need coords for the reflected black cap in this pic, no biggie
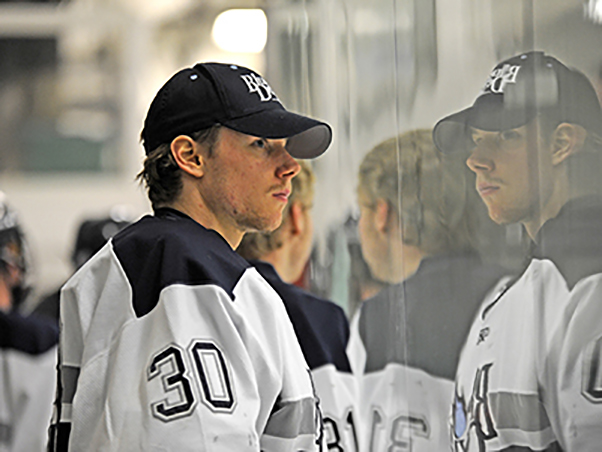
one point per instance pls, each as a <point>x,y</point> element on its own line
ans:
<point>236,97</point>
<point>516,91</point>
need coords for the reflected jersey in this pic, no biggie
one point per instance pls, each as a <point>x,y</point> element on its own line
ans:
<point>322,329</point>
<point>405,346</point>
<point>530,375</point>
<point>171,341</point>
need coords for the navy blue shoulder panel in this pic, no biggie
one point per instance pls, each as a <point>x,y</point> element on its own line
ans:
<point>423,322</point>
<point>573,239</point>
<point>171,248</point>
<point>29,335</point>
<point>320,325</point>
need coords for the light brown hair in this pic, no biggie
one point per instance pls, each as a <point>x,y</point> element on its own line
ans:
<point>161,174</point>
<point>429,191</point>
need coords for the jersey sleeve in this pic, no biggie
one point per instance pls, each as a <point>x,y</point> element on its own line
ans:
<point>294,422</point>
<point>97,280</point>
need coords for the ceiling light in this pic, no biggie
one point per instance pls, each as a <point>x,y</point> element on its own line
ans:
<point>241,30</point>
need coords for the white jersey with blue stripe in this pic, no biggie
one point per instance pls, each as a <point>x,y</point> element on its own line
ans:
<point>171,341</point>
<point>530,374</point>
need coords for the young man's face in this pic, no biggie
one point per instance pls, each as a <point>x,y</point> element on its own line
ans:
<point>514,173</point>
<point>247,181</point>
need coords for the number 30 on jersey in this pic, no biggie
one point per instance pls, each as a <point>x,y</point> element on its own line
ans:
<point>181,372</point>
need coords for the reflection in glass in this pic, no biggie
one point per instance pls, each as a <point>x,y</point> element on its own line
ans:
<point>418,224</point>
<point>530,371</point>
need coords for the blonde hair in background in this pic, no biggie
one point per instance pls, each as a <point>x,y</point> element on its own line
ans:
<point>254,245</point>
<point>429,192</point>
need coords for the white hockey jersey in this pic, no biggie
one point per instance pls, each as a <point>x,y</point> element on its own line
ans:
<point>322,329</point>
<point>530,374</point>
<point>28,354</point>
<point>171,341</point>
<point>404,349</point>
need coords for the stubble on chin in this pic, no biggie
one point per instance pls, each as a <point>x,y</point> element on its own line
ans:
<point>257,223</point>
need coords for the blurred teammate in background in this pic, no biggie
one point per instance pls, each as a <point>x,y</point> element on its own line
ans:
<point>321,326</point>
<point>530,374</point>
<point>27,349</point>
<point>92,234</point>
<point>170,340</point>
<point>418,224</point>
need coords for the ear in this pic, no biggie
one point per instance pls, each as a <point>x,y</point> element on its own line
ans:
<point>296,215</point>
<point>567,140</point>
<point>382,214</point>
<point>188,156</point>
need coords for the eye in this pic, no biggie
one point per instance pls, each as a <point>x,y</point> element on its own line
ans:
<point>260,143</point>
<point>475,138</point>
<point>508,135</point>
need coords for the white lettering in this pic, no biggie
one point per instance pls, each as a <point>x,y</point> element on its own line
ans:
<point>499,78</point>
<point>257,84</point>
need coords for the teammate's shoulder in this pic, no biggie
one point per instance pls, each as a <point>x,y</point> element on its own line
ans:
<point>27,334</point>
<point>297,298</point>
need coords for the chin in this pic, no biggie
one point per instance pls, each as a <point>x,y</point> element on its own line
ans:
<point>503,217</point>
<point>264,224</point>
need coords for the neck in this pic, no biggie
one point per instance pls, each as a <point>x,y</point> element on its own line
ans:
<point>5,294</point>
<point>411,258</point>
<point>192,204</point>
<point>404,261</point>
<point>549,207</point>
<point>286,267</point>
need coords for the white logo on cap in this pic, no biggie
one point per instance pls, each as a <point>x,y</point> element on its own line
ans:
<point>257,84</point>
<point>500,77</point>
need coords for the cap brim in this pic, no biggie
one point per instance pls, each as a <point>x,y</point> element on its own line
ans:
<point>307,137</point>
<point>452,133</point>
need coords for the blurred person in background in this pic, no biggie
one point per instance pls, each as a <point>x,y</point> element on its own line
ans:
<point>321,326</point>
<point>418,224</point>
<point>529,375</point>
<point>169,339</point>
<point>92,235</point>
<point>28,348</point>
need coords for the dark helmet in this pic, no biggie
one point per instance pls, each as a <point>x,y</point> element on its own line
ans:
<point>13,249</point>
<point>93,233</point>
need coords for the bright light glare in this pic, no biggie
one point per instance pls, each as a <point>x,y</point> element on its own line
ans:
<point>593,10</point>
<point>241,30</point>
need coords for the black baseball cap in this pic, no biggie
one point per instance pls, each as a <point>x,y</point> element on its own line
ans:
<point>517,90</point>
<point>236,97</point>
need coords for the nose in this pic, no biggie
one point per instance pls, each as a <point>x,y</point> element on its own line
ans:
<point>479,160</point>
<point>288,167</point>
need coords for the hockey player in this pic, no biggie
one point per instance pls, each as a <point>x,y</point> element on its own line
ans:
<point>27,349</point>
<point>91,236</point>
<point>529,375</point>
<point>321,325</point>
<point>417,225</point>
<point>170,340</point>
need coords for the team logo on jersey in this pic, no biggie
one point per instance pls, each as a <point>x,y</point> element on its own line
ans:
<point>472,421</point>
<point>500,77</point>
<point>258,85</point>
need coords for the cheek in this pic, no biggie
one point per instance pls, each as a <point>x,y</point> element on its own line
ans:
<point>361,228</point>
<point>365,238</point>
